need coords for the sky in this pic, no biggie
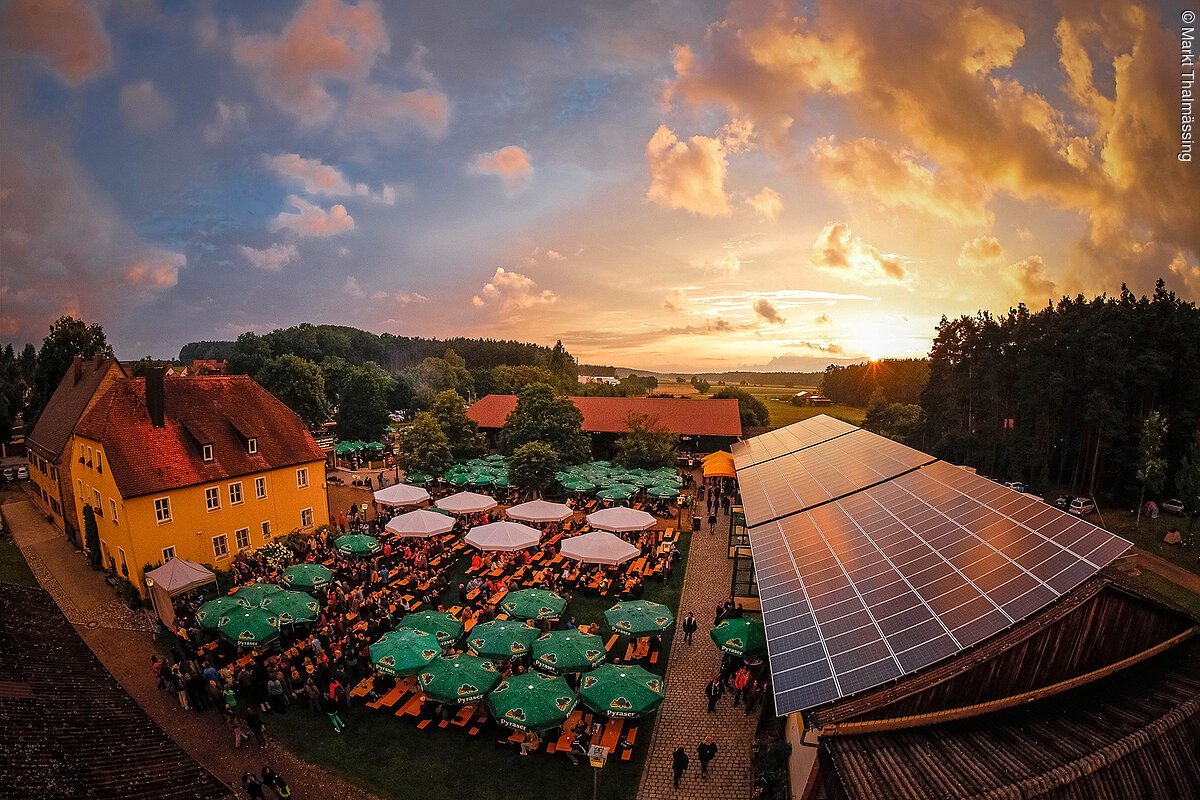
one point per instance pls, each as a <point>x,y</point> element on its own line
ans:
<point>678,185</point>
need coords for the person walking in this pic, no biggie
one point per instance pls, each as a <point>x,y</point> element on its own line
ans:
<point>689,627</point>
<point>679,764</point>
<point>741,680</point>
<point>253,786</point>
<point>707,751</point>
<point>330,706</point>
<point>712,522</point>
<point>713,692</point>
<point>275,782</point>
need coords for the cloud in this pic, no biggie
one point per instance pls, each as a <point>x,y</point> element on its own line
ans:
<point>144,106</point>
<point>674,302</point>
<point>388,112</point>
<point>1024,234</point>
<point>893,178</point>
<point>687,175</point>
<point>554,255</point>
<point>352,288</point>
<point>1029,280</point>
<point>308,219</point>
<point>767,311</point>
<point>512,291</point>
<point>838,251</point>
<point>728,263</point>
<point>400,298</point>
<point>315,177</point>
<point>823,319</point>
<point>227,116</point>
<point>67,35</point>
<point>768,203</point>
<point>207,29</point>
<point>273,258</point>
<point>510,164</point>
<point>160,272</point>
<point>980,252</point>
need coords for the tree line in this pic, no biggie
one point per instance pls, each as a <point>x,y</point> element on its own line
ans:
<point>896,380</point>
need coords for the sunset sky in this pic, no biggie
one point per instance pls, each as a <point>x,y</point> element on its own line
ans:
<point>674,185</point>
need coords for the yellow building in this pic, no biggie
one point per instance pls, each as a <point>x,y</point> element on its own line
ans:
<point>201,468</point>
<point>50,444</point>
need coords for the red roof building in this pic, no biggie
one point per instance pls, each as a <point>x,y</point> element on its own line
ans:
<point>715,418</point>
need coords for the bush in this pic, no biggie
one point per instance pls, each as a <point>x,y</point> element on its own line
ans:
<point>129,593</point>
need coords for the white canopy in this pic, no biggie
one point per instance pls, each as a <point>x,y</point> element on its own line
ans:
<point>503,536</point>
<point>599,547</point>
<point>180,575</point>
<point>420,524</point>
<point>466,503</point>
<point>401,494</point>
<point>541,511</point>
<point>621,518</point>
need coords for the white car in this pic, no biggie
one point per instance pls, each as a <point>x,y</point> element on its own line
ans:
<point>1081,506</point>
<point>1016,486</point>
<point>22,472</point>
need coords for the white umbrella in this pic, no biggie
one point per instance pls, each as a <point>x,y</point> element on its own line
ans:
<point>599,547</point>
<point>541,511</point>
<point>503,536</point>
<point>466,503</point>
<point>420,524</point>
<point>401,494</point>
<point>621,518</point>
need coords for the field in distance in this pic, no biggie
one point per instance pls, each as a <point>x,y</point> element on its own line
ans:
<point>778,400</point>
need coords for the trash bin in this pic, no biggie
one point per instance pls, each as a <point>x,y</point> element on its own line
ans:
<point>695,524</point>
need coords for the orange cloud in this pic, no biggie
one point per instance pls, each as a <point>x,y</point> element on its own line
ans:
<point>1029,281</point>
<point>67,34</point>
<point>308,219</point>
<point>688,175</point>
<point>765,309</point>
<point>386,111</point>
<point>315,176</point>
<point>980,252</point>
<point>838,251</point>
<point>160,272</point>
<point>768,203</point>
<point>511,164</point>
<point>512,291</point>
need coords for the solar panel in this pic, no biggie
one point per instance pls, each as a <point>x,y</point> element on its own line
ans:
<point>861,588</point>
<point>788,440</point>
<point>821,472</point>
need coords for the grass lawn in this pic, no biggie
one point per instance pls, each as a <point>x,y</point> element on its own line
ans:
<point>1173,591</point>
<point>13,568</point>
<point>391,757</point>
<point>1149,535</point>
<point>778,400</point>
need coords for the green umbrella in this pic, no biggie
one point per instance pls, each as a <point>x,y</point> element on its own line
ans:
<point>307,577</point>
<point>500,481</point>
<point>253,594</point>
<point>249,627</point>
<point>481,479</point>
<point>533,604</point>
<point>445,626</point>
<point>501,638</point>
<point>561,652</point>
<point>621,690</point>
<point>639,618</point>
<point>476,462</point>
<point>617,491</point>
<point>417,478</point>
<point>740,637</point>
<point>532,702</point>
<point>459,478</point>
<point>462,679</point>
<point>577,485</point>
<point>662,491</point>
<point>404,651</point>
<point>357,544</point>
<point>292,607</point>
<point>209,615</point>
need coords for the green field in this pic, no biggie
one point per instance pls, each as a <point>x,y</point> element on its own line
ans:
<point>778,400</point>
<point>1172,591</point>
<point>13,568</point>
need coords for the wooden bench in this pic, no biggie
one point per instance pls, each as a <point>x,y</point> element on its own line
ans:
<point>413,707</point>
<point>364,687</point>
<point>630,739</point>
<point>611,735</point>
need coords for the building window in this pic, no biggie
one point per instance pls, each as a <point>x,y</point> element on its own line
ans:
<point>212,498</point>
<point>124,563</point>
<point>266,529</point>
<point>89,457</point>
<point>235,493</point>
<point>99,462</point>
<point>112,506</point>
<point>306,518</point>
<point>220,546</point>
<point>99,504</point>
<point>207,451</point>
<point>252,445</point>
<point>260,488</point>
<point>168,553</point>
<point>162,509</point>
<point>302,478</point>
<point>242,537</point>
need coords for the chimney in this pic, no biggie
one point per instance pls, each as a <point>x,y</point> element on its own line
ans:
<point>77,367</point>
<point>155,399</point>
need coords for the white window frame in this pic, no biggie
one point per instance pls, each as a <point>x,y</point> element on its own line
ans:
<point>302,478</point>
<point>311,519</point>
<point>212,498</point>
<point>252,445</point>
<point>99,462</point>
<point>99,503</point>
<point>158,511</point>
<point>112,506</point>
<point>266,529</point>
<point>206,452</point>
<point>241,496</point>
<point>237,538</point>
<point>124,562</point>
<point>260,487</point>
<point>168,553</point>
<point>223,550</point>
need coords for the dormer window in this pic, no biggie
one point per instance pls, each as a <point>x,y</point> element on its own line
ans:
<point>207,452</point>
<point>252,445</point>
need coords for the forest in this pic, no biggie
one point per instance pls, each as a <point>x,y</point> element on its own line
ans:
<point>894,380</point>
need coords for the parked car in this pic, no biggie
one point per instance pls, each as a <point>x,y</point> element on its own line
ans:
<point>1016,486</point>
<point>1062,501</point>
<point>1173,506</point>
<point>22,473</point>
<point>10,473</point>
<point>1081,506</point>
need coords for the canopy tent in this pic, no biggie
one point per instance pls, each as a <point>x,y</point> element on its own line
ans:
<point>401,494</point>
<point>541,511</point>
<point>420,524</point>
<point>719,454</point>
<point>175,577</point>
<point>719,468</point>
<point>621,518</point>
<point>467,503</point>
<point>599,547</point>
<point>504,537</point>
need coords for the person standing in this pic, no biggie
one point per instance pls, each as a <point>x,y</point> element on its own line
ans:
<point>741,680</point>
<point>689,627</point>
<point>707,751</point>
<point>253,786</point>
<point>713,692</point>
<point>277,784</point>
<point>330,706</point>
<point>712,522</point>
<point>679,764</point>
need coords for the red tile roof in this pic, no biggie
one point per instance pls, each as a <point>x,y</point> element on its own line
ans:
<point>67,404</point>
<point>608,414</point>
<point>145,459</point>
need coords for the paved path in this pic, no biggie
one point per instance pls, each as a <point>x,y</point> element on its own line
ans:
<point>1169,570</point>
<point>683,719</point>
<point>123,640</point>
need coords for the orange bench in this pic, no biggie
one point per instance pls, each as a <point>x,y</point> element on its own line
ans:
<point>630,739</point>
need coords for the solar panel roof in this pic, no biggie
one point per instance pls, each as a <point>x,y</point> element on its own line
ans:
<point>879,582</point>
<point>788,440</point>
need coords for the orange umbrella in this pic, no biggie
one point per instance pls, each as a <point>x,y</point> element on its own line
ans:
<point>719,468</point>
